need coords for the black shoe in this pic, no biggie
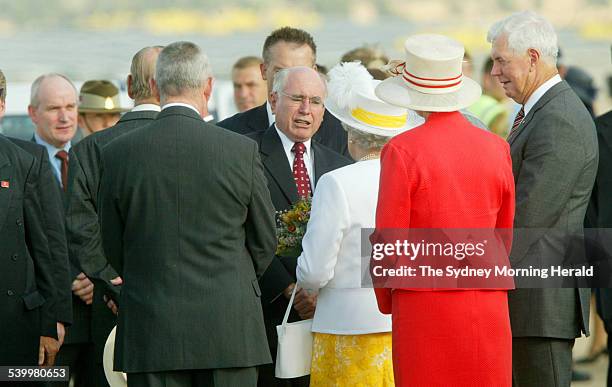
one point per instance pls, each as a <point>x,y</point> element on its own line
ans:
<point>579,376</point>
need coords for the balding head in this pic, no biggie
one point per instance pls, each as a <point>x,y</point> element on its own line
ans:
<point>141,73</point>
<point>297,101</point>
<point>53,108</point>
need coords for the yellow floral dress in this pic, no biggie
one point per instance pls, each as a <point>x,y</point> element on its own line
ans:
<point>352,360</point>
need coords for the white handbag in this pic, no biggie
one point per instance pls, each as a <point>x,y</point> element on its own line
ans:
<point>294,351</point>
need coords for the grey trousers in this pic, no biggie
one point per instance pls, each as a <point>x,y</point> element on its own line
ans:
<point>220,377</point>
<point>541,362</point>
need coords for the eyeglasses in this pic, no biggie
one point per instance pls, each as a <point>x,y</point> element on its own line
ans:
<point>299,99</point>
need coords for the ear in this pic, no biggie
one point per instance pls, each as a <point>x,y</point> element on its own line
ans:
<point>33,114</point>
<point>263,68</point>
<point>208,88</point>
<point>130,81</point>
<point>534,56</point>
<point>273,100</point>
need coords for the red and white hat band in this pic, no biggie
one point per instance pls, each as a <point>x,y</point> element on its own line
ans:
<point>430,85</point>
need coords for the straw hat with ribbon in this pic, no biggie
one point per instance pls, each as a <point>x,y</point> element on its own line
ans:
<point>351,99</point>
<point>431,77</point>
<point>99,96</point>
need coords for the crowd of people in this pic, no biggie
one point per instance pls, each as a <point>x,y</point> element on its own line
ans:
<point>162,222</point>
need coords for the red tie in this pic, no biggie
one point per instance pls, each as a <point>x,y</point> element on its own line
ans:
<point>517,121</point>
<point>63,156</point>
<point>300,174</point>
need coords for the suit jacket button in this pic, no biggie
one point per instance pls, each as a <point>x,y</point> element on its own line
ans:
<point>15,256</point>
<point>10,293</point>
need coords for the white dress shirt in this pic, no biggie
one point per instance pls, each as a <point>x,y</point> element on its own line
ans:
<point>208,118</point>
<point>343,204</point>
<point>308,155</point>
<point>271,116</point>
<point>146,107</point>
<point>56,164</point>
<point>539,92</point>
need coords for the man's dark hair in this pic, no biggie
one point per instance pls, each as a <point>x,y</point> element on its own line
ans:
<point>289,35</point>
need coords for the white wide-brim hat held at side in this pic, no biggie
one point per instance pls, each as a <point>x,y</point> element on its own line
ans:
<point>114,378</point>
<point>351,99</point>
<point>431,78</point>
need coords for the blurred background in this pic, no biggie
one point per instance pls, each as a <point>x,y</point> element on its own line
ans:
<point>87,39</point>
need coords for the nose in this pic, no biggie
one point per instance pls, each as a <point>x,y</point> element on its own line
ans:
<point>243,92</point>
<point>305,106</point>
<point>495,70</point>
<point>62,115</point>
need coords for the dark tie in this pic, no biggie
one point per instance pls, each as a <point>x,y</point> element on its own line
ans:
<point>300,174</point>
<point>63,156</point>
<point>517,121</point>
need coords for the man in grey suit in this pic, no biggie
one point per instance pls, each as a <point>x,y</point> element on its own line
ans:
<point>82,222</point>
<point>554,155</point>
<point>186,214</point>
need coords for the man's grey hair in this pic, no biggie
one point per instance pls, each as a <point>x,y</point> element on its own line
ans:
<point>366,141</point>
<point>35,89</point>
<point>143,70</point>
<point>526,30</point>
<point>280,79</point>
<point>182,67</point>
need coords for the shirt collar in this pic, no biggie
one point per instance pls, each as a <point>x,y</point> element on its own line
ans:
<point>181,104</point>
<point>539,92</point>
<point>271,116</point>
<point>146,107</point>
<point>288,143</point>
<point>52,150</point>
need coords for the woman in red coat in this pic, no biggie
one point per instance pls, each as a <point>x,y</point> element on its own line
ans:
<point>445,174</point>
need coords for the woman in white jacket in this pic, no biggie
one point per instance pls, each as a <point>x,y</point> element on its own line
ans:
<point>352,342</point>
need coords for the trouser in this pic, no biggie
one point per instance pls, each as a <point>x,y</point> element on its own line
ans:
<point>541,362</point>
<point>219,377</point>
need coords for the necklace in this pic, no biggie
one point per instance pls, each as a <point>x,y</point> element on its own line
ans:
<point>370,156</point>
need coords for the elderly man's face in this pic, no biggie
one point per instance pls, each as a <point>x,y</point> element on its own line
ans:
<point>250,89</point>
<point>513,70</point>
<point>283,55</point>
<point>94,122</point>
<point>299,107</point>
<point>55,116</point>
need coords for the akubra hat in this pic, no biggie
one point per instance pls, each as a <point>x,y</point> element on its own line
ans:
<point>351,99</point>
<point>99,96</point>
<point>114,378</point>
<point>431,78</point>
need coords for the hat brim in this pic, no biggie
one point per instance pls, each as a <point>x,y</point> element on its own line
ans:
<point>394,91</point>
<point>102,111</point>
<point>344,115</point>
<point>114,378</point>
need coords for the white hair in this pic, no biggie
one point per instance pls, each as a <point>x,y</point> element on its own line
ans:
<point>525,30</point>
<point>280,79</point>
<point>182,67</point>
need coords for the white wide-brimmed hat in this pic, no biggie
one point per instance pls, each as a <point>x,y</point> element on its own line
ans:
<point>114,378</point>
<point>431,78</point>
<point>351,99</point>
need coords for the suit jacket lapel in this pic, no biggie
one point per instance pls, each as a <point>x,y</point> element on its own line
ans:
<point>5,193</point>
<point>322,164</point>
<point>550,94</point>
<point>275,162</point>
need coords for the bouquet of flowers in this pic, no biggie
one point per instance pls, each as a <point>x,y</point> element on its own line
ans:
<point>291,227</point>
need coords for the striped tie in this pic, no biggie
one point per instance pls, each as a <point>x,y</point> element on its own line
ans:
<point>517,122</point>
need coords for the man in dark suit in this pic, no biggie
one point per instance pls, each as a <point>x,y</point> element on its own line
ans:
<point>554,160</point>
<point>186,214</point>
<point>38,296</point>
<point>287,47</point>
<point>599,215</point>
<point>84,240</point>
<point>53,110</point>
<point>297,101</point>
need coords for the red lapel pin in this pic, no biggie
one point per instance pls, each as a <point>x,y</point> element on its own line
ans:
<point>4,184</point>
